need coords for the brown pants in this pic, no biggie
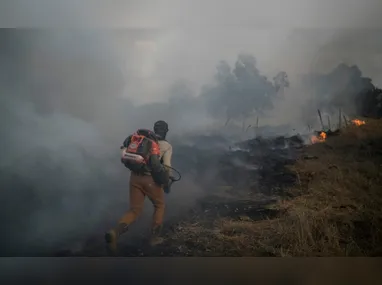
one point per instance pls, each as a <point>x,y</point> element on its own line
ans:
<point>140,187</point>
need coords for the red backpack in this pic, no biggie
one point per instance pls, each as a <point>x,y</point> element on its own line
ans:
<point>137,150</point>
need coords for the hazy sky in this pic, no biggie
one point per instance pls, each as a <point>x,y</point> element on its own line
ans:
<point>177,39</point>
<point>192,54</point>
<point>186,13</point>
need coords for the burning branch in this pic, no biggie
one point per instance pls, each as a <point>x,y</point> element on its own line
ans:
<point>319,138</point>
<point>358,122</point>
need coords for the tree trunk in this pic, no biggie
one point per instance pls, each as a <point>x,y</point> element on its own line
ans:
<point>227,121</point>
<point>243,124</point>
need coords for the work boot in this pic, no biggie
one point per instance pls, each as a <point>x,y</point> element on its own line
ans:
<point>156,237</point>
<point>111,237</point>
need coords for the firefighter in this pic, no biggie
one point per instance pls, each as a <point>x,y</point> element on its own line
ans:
<point>151,179</point>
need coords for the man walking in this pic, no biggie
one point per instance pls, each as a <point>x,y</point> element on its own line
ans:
<point>143,153</point>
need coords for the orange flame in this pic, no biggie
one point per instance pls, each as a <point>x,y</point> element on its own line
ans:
<point>320,138</point>
<point>358,122</point>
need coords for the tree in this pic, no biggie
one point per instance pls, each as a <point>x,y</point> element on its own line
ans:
<point>344,87</point>
<point>220,97</point>
<point>240,92</point>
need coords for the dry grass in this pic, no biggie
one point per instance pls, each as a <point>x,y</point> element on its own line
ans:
<point>336,209</point>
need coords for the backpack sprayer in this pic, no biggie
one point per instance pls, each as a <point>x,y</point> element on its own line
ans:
<point>138,147</point>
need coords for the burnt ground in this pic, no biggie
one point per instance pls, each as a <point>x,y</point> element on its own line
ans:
<point>277,197</point>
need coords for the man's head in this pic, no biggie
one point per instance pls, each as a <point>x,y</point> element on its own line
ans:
<point>161,129</point>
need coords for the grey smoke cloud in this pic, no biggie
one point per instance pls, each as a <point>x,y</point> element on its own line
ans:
<point>70,96</point>
<point>191,29</point>
<point>186,13</point>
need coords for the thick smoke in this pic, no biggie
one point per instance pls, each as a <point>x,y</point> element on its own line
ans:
<point>68,99</point>
<point>64,118</point>
<point>58,170</point>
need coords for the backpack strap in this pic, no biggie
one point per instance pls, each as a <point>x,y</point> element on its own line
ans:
<point>148,134</point>
<point>155,150</point>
